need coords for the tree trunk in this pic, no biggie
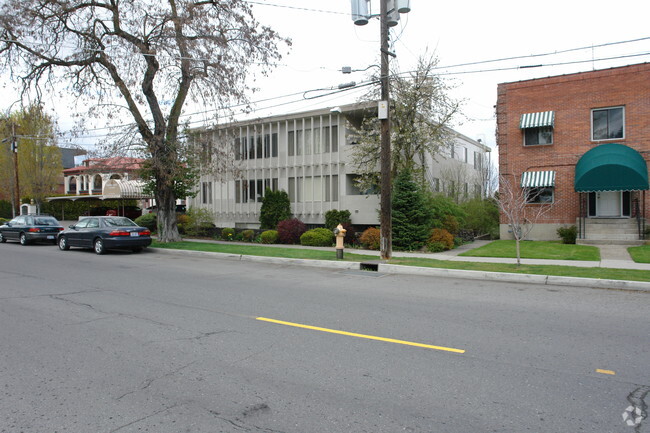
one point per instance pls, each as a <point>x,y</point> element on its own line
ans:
<point>518,253</point>
<point>167,228</point>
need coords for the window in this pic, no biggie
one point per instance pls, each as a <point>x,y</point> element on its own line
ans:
<point>537,136</point>
<point>330,139</point>
<point>308,137</point>
<point>540,195</point>
<point>465,152</point>
<point>259,147</point>
<point>478,161</point>
<point>291,142</point>
<point>237,191</point>
<point>608,123</point>
<point>206,193</point>
<point>251,147</point>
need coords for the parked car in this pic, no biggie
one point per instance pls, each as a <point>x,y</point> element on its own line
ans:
<point>31,228</point>
<point>103,233</point>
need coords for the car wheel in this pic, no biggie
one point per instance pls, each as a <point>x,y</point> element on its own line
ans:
<point>99,246</point>
<point>2,238</point>
<point>63,244</point>
<point>23,239</point>
<point>136,249</point>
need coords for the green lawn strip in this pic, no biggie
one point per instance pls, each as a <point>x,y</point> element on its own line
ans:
<point>297,253</point>
<point>264,251</point>
<point>553,250</point>
<point>640,254</point>
<point>556,270</point>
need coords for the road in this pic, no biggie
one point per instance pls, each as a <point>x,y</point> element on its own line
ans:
<point>157,342</point>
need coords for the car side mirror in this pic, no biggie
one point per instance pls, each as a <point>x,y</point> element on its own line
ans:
<point>8,224</point>
<point>72,226</point>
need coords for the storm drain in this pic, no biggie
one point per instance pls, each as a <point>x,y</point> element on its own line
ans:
<point>368,266</point>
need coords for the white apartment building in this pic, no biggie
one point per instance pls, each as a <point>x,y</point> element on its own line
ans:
<point>307,155</point>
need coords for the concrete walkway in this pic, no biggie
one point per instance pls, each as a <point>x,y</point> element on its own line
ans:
<point>612,256</point>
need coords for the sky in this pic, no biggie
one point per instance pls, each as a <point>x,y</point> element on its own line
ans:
<point>469,33</point>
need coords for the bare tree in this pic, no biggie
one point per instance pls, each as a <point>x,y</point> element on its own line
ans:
<point>514,204</point>
<point>146,54</point>
<point>422,111</point>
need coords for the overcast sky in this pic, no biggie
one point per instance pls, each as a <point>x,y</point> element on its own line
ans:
<point>459,32</point>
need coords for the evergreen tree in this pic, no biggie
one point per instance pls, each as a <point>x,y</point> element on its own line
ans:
<point>275,208</point>
<point>411,215</point>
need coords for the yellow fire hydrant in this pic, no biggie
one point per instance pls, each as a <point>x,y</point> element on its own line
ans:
<point>339,232</point>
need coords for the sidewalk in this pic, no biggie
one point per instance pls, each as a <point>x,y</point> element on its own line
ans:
<point>611,256</point>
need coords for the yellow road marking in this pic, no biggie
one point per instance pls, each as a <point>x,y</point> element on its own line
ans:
<point>613,373</point>
<point>352,334</point>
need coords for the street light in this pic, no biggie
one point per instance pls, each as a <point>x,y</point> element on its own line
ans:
<point>389,11</point>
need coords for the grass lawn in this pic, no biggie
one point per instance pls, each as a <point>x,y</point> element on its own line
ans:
<point>560,271</point>
<point>554,250</point>
<point>640,254</point>
<point>298,253</point>
<point>262,250</point>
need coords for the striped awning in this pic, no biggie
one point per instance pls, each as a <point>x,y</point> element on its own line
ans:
<point>537,120</point>
<point>125,189</point>
<point>538,179</point>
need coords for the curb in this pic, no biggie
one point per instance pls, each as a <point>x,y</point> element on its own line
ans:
<point>548,280</point>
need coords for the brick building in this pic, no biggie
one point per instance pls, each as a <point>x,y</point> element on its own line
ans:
<point>581,142</point>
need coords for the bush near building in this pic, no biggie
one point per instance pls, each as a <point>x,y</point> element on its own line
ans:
<point>289,231</point>
<point>370,238</point>
<point>276,207</point>
<point>320,237</point>
<point>442,237</point>
<point>568,234</point>
<point>411,216</point>
<point>269,237</point>
<point>149,221</point>
<point>335,217</point>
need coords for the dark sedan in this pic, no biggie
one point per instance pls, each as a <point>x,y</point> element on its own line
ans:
<point>31,228</point>
<point>102,233</point>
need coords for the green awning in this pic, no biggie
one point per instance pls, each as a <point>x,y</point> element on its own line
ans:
<point>537,120</point>
<point>611,167</point>
<point>538,179</point>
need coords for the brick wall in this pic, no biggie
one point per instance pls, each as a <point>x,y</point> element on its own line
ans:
<point>571,97</point>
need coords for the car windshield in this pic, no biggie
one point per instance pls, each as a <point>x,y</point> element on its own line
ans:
<point>45,221</point>
<point>119,222</point>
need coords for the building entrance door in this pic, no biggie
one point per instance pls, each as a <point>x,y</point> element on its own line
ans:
<point>608,204</point>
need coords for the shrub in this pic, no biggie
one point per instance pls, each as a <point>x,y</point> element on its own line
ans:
<point>200,223</point>
<point>350,234</point>
<point>436,247</point>
<point>482,216</point>
<point>441,206</point>
<point>248,235</point>
<point>411,215</point>
<point>275,208</point>
<point>269,237</point>
<point>442,236</point>
<point>370,238</point>
<point>289,231</point>
<point>182,221</point>
<point>335,217</point>
<point>320,237</point>
<point>450,223</point>
<point>568,234</point>
<point>227,234</point>
<point>5,209</point>
<point>4,220</point>
<point>149,220</point>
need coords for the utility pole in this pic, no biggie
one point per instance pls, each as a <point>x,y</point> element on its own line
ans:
<point>389,11</point>
<point>385,222</point>
<point>14,148</point>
